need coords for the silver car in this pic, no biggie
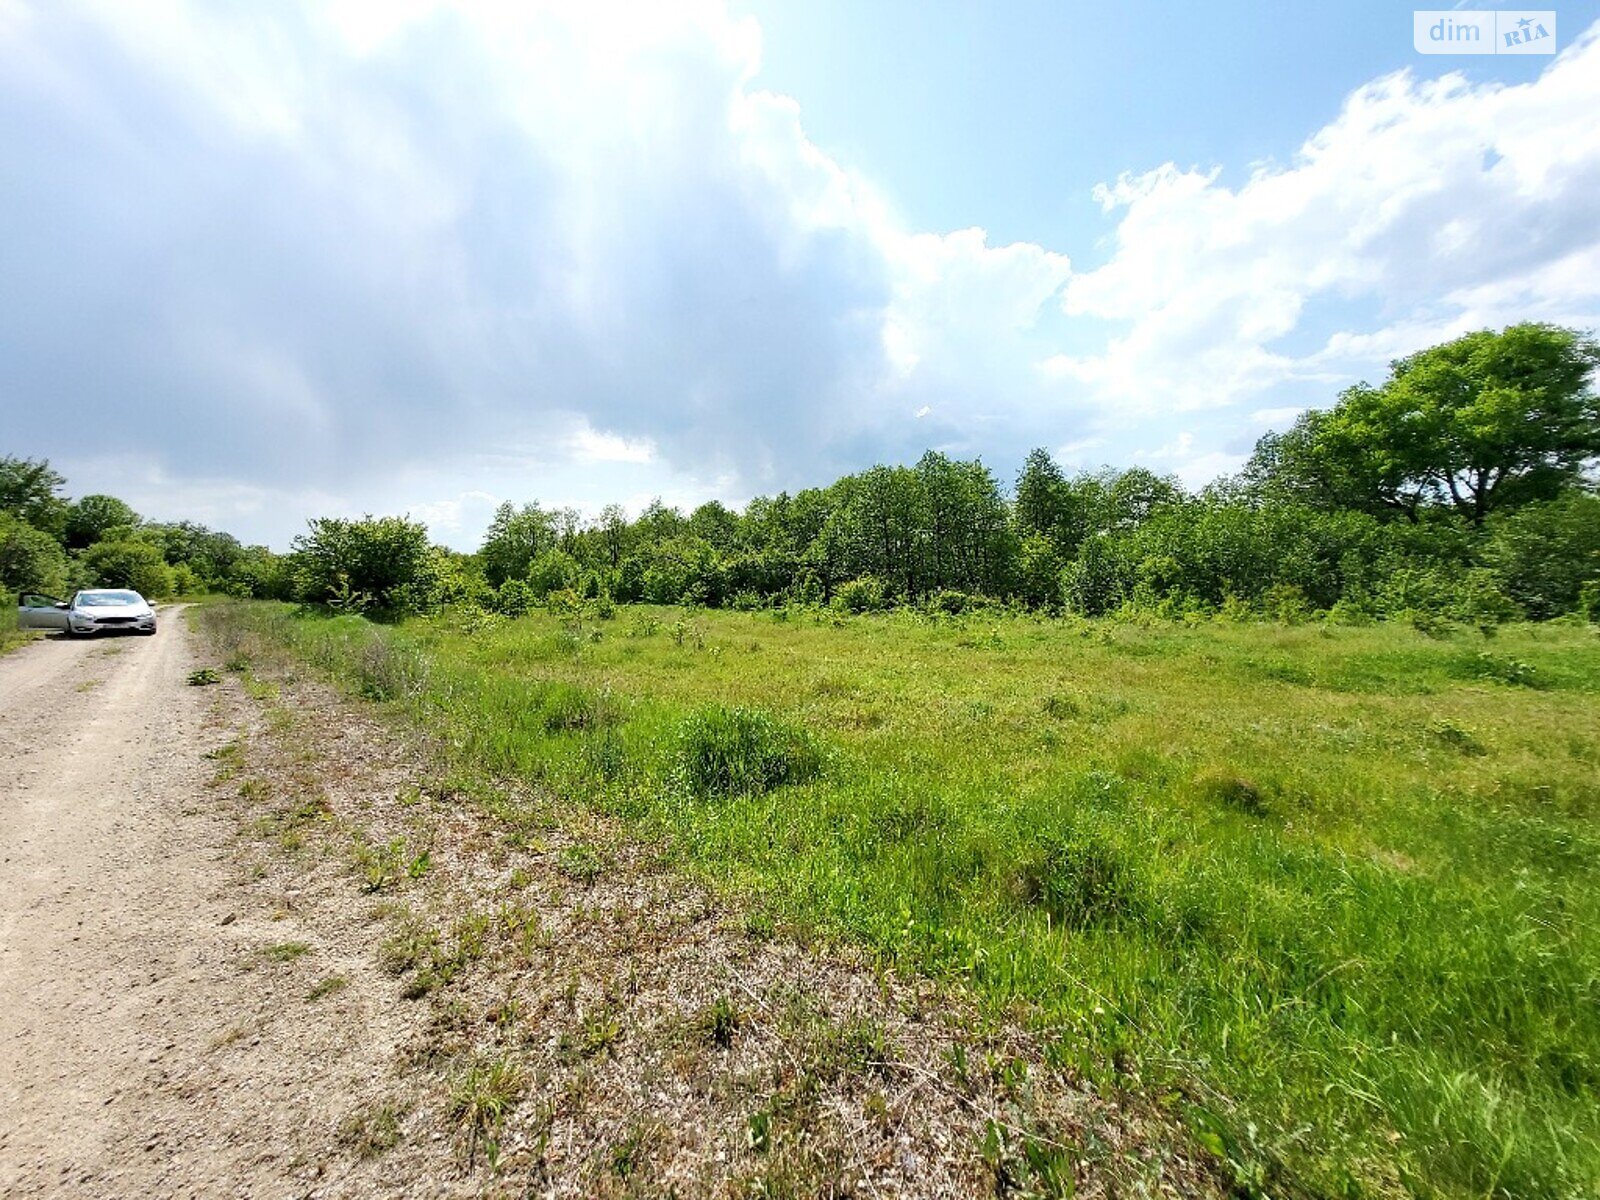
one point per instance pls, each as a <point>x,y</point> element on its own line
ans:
<point>93,611</point>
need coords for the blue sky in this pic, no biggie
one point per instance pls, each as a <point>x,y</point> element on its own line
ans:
<point>267,263</point>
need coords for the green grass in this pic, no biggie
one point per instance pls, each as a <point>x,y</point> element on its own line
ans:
<point>10,636</point>
<point>1328,893</point>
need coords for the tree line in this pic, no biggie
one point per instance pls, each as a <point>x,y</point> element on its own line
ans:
<point>1462,487</point>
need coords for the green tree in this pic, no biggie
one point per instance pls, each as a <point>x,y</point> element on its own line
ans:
<point>30,491</point>
<point>381,564</point>
<point>1485,422</point>
<point>91,518</point>
<point>515,538</point>
<point>129,563</point>
<point>552,571</point>
<point>30,559</point>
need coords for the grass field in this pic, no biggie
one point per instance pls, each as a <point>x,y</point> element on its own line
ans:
<point>1329,893</point>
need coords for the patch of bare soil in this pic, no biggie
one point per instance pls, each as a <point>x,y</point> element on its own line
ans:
<point>524,1001</point>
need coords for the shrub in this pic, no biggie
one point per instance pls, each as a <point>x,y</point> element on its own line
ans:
<point>1081,881</point>
<point>1286,603</point>
<point>514,598</point>
<point>552,571</point>
<point>1545,554</point>
<point>1479,602</point>
<point>381,563</point>
<point>952,602</point>
<point>129,564</point>
<point>735,752</point>
<point>30,559</point>
<point>861,595</point>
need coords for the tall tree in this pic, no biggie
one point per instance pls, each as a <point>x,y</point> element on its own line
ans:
<point>90,518</point>
<point>30,491</point>
<point>515,538</point>
<point>1481,423</point>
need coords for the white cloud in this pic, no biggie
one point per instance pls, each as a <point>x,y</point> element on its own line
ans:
<point>1439,205</point>
<point>588,445</point>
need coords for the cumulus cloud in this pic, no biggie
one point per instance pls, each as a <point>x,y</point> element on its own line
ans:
<point>1430,207</point>
<point>415,257</point>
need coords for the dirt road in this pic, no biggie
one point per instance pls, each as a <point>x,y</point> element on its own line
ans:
<point>143,1051</point>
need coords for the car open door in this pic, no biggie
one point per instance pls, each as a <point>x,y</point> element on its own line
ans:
<point>41,612</point>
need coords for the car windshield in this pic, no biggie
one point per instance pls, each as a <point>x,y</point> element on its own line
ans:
<point>108,599</point>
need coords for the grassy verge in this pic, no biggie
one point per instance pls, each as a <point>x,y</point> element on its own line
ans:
<point>10,636</point>
<point>1329,892</point>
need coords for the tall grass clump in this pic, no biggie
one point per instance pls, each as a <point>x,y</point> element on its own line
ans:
<point>741,752</point>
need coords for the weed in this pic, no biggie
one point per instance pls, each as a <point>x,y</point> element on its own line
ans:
<point>718,1022</point>
<point>204,677</point>
<point>730,752</point>
<point>580,861</point>
<point>373,1129</point>
<point>285,952</point>
<point>327,987</point>
<point>1231,791</point>
<point>1454,737</point>
<point>1081,882</point>
<point>381,867</point>
<point>481,1099</point>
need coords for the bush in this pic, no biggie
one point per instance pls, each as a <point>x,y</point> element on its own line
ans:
<point>737,752</point>
<point>1544,554</point>
<point>1479,601</point>
<point>552,571</point>
<point>30,559</point>
<point>861,595</point>
<point>384,564</point>
<point>952,602</point>
<point>514,598</point>
<point>129,564</point>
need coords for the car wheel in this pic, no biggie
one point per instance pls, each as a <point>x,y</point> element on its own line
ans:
<point>147,633</point>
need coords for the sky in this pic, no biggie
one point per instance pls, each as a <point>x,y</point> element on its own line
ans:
<point>261,263</point>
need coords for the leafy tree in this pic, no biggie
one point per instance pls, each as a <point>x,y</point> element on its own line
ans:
<point>30,492</point>
<point>382,564</point>
<point>612,527</point>
<point>714,524</point>
<point>1038,570</point>
<point>552,571</point>
<point>515,538</point>
<point>1041,496</point>
<point>30,559</point>
<point>129,563</point>
<point>91,518</point>
<point>261,574</point>
<point>210,554</point>
<point>1136,495</point>
<point>1481,423</point>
